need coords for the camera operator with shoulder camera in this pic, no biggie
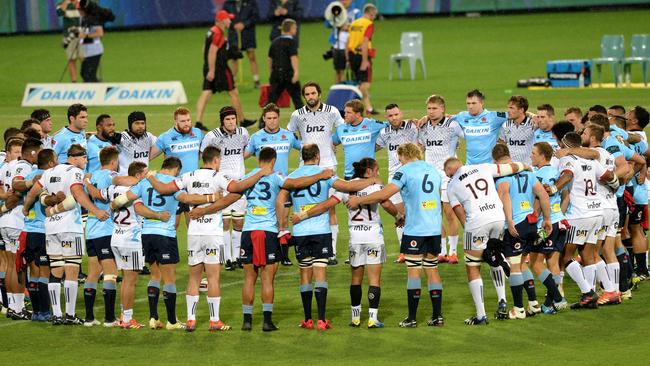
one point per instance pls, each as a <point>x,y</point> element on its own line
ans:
<point>67,10</point>
<point>339,12</point>
<point>93,18</point>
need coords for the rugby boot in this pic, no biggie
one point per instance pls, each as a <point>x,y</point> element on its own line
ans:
<point>217,326</point>
<point>190,326</point>
<point>517,313</point>
<point>477,321</point>
<point>408,323</point>
<point>307,324</point>
<point>323,325</point>
<point>155,324</point>
<point>374,324</point>
<point>436,321</point>
<point>502,310</point>
<point>269,327</point>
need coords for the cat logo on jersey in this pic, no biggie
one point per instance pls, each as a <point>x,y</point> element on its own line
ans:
<point>524,205</point>
<point>429,205</point>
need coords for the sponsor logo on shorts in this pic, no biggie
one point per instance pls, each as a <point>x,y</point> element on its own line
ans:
<point>166,256</point>
<point>414,243</point>
<point>373,253</point>
<point>517,246</point>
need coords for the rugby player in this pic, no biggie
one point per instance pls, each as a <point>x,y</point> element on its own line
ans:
<point>136,143</point>
<point>103,138</point>
<point>366,249</point>
<point>74,133</point>
<point>45,119</point>
<point>519,131</point>
<point>420,184</point>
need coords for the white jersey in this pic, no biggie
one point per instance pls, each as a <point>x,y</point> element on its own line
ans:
<point>317,128</point>
<point>14,169</point>
<point>60,179</point>
<point>127,228</point>
<point>440,141</point>
<point>232,146</point>
<point>390,139</point>
<point>47,142</point>
<point>606,195</point>
<point>204,181</point>
<point>473,187</point>
<point>364,223</point>
<point>133,149</point>
<point>3,156</point>
<point>583,196</point>
<point>519,137</point>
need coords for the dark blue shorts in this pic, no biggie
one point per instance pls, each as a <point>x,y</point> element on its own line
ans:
<point>160,249</point>
<point>513,246</point>
<point>272,247</point>
<point>100,248</point>
<point>420,244</point>
<point>313,246</point>
<point>35,249</point>
<point>554,243</point>
<point>248,40</point>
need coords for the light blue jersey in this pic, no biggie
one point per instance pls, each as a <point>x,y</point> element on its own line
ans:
<point>95,145</point>
<point>546,136</point>
<point>95,228</point>
<point>282,141</point>
<point>616,131</point>
<point>183,146</point>
<point>419,185</point>
<point>306,198</point>
<point>640,190</point>
<point>35,219</point>
<point>481,133</point>
<point>617,148</point>
<point>358,141</point>
<point>65,138</point>
<point>260,207</point>
<point>158,203</point>
<point>521,194</point>
<point>549,175</point>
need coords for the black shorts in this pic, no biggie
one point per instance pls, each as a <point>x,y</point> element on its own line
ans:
<point>100,248</point>
<point>35,249</point>
<point>160,249</point>
<point>636,217</point>
<point>622,212</point>
<point>182,207</point>
<point>554,243</point>
<point>247,39</point>
<point>313,246</point>
<point>272,247</point>
<point>420,244</point>
<point>355,66</point>
<point>512,246</point>
<point>223,81</point>
<point>338,58</point>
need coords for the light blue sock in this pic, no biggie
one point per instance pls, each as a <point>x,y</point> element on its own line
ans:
<point>170,288</point>
<point>247,309</point>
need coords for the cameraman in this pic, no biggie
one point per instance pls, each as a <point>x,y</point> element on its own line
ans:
<point>67,9</point>
<point>92,30</point>
<point>281,10</point>
<point>339,40</point>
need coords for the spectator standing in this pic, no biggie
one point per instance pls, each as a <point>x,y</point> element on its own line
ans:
<point>281,10</point>
<point>243,27</point>
<point>283,63</point>
<point>339,40</point>
<point>92,31</point>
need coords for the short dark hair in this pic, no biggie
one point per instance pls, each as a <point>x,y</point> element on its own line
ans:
<point>598,109</point>
<point>545,149</point>
<point>28,123</point>
<point>642,116</point>
<point>108,154</point>
<point>475,93</point>
<point>31,132</point>
<point>172,162</point>
<point>546,107</point>
<point>267,154</point>
<point>562,128</point>
<point>101,118</point>
<point>356,105</point>
<point>391,106</point>
<point>519,101</point>
<point>572,139</point>
<point>210,153</point>
<point>618,107</point>
<point>45,156</point>
<point>75,109</point>
<point>599,120</point>
<point>76,150</point>
<point>311,84</point>
<point>31,145</point>
<point>271,107</point>
<point>136,167</point>
<point>309,152</point>
<point>40,114</point>
<point>11,132</point>
<point>500,151</point>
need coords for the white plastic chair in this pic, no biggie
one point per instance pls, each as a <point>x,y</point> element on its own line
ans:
<point>411,49</point>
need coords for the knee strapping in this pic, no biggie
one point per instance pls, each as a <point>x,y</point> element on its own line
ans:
<point>56,262</point>
<point>430,262</point>
<point>320,262</point>
<point>472,261</point>
<point>413,261</point>
<point>306,262</point>
<point>515,260</point>
<point>73,261</point>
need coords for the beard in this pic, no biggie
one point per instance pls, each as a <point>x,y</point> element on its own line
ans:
<point>140,134</point>
<point>312,102</point>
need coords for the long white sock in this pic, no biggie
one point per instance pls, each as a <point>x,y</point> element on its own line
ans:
<point>476,288</point>
<point>372,313</point>
<point>236,243</point>
<point>335,234</point>
<point>575,272</point>
<point>19,302</point>
<point>127,315</point>
<point>55,297</point>
<point>453,244</point>
<point>356,312</point>
<point>399,231</point>
<point>443,246</point>
<point>499,281</point>
<point>603,277</point>
<point>590,275</point>
<point>227,246</point>
<point>614,270</point>
<point>70,289</point>
<point>12,301</point>
<point>192,302</point>
<point>213,306</point>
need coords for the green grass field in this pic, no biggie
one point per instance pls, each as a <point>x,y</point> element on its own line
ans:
<point>488,53</point>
